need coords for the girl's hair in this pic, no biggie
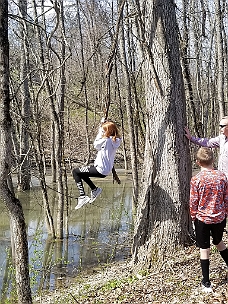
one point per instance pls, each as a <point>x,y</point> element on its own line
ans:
<point>205,156</point>
<point>110,129</point>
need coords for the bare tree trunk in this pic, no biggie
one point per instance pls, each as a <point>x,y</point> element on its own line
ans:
<point>163,219</point>
<point>53,158</point>
<point>39,158</point>
<point>45,62</point>
<point>130,115</point>
<point>60,126</point>
<point>38,149</point>
<point>56,128</point>
<point>225,57</point>
<point>24,168</point>
<point>13,205</point>
<point>220,56</point>
<point>122,118</point>
<point>186,70</point>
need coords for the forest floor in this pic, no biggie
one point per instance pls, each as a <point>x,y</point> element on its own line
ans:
<point>175,281</point>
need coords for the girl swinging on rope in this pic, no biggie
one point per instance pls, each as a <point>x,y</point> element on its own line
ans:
<point>106,142</point>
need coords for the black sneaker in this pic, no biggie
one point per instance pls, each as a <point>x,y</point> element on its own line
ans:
<point>206,286</point>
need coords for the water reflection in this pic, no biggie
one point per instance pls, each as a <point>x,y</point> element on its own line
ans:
<point>98,233</point>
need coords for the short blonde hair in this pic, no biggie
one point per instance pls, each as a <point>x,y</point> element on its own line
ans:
<point>205,156</point>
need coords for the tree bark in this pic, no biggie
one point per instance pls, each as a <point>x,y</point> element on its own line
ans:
<point>186,70</point>
<point>13,205</point>
<point>220,56</point>
<point>60,125</point>
<point>129,110</point>
<point>163,221</point>
<point>24,175</point>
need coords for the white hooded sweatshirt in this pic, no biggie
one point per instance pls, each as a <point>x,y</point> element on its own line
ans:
<point>106,152</point>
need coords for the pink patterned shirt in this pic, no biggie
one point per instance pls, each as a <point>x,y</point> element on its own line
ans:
<point>209,196</point>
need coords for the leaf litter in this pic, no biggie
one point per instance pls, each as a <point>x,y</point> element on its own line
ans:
<point>176,281</point>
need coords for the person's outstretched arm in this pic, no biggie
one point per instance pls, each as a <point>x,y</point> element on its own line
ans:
<point>203,142</point>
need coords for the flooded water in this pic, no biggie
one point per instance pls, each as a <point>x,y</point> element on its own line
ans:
<point>98,233</point>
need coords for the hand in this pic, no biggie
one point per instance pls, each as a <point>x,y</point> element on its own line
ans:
<point>103,120</point>
<point>187,133</point>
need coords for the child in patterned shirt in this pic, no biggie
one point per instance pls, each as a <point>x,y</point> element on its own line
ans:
<point>209,209</point>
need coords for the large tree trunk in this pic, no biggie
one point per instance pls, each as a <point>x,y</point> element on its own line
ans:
<point>18,227</point>
<point>163,220</point>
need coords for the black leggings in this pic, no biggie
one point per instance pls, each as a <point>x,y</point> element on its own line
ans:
<point>84,173</point>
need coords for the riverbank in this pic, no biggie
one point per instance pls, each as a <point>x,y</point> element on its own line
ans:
<point>176,281</point>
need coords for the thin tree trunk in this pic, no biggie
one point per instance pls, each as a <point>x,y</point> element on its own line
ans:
<point>186,70</point>
<point>24,168</point>
<point>13,205</point>
<point>122,118</point>
<point>130,116</point>
<point>44,60</point>
<point>60,126</point>
<point>220,63</point>
<point>39,158</point>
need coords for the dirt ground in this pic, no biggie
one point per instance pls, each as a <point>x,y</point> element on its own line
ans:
<point>177,280</point>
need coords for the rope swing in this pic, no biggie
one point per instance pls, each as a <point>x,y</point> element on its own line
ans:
<point>114,174</point>
<point>109,65</point>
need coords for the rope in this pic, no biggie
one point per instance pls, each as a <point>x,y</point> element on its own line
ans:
<point>109,66</point>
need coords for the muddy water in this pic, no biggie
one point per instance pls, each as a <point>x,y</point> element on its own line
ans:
<point>97,233</point>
